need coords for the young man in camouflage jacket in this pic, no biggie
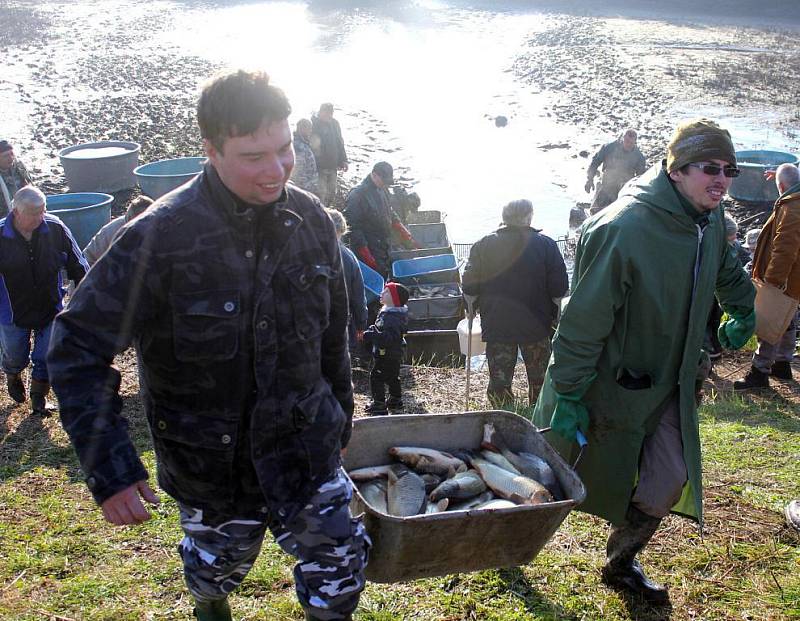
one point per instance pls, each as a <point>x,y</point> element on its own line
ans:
<point>231,289</point>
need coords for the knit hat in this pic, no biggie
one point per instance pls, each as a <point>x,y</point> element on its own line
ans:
<point>731,228</point>
<point>399,293</point>
<point>699,140</point>
<point>5,145</point>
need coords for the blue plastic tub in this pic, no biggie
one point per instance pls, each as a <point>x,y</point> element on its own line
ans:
<point>440,268</point>
<point>84,213</point>
<point>373,282</point>
<point>750,185</point>
<point>158,178</point>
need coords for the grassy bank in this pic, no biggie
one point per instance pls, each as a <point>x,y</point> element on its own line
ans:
<point>59,560</point>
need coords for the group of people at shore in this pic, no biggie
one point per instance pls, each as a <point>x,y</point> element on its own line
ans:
<point>232,289</point>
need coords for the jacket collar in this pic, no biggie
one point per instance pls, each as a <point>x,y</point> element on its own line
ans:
<point>795,189</point>
<point>10,232</point>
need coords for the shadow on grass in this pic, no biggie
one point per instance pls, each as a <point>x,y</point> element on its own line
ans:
<point>755,409</point>
<point>531,599</point>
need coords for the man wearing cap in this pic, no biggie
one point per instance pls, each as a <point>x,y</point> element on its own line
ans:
<point>371,219</point>
<point>621,161</point>
<point>777,262</point>
<point>627,350</point>
<point>34,249</point>
<point>13,176</point>
<point>328,145</point>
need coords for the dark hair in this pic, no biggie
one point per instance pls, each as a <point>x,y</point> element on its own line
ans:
<point>137,207</point>
<point>326,107</point>
<point>237,103</point>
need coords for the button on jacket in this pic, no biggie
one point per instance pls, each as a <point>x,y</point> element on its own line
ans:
<point>238,316</point>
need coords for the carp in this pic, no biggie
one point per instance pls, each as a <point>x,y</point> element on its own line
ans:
<point>461,486</point>
<point>405,492</point>
<point>425,460</point>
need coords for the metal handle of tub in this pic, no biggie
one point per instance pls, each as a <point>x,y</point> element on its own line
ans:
<point>579,438</point>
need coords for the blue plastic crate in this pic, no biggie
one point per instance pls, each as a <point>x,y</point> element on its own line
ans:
<point>373,282</point>
<point>440,268</point>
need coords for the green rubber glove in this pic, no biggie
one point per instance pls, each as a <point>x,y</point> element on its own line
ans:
<point>570,414</point>
<point>736,331</point>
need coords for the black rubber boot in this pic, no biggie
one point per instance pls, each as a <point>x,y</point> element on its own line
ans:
<point>754,380</point>
<point>39,392</point>
<point>395,403</point>
<point>16,387</point>
<point>377,408</point>
<point>782,370</point>
<point>622,570</point>
<point>310,617</point>
<point>216,610</point>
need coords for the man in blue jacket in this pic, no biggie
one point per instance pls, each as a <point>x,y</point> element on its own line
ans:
<point>517,274</point>
<point>34,248</point>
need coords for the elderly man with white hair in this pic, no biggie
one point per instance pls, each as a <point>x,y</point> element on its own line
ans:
<point>516,272</point>
<point>34,248</point>
<point>777,261</point>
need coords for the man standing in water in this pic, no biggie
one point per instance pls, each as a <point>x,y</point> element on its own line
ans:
<point>328,145</point>
<point>621,161</point>
<point>231,289</point>
<point>627,349</point>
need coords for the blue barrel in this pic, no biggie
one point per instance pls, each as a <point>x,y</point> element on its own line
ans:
<point>750,185</point>
<point>440,268</point>
<point>158,178</point>
<point>84,213</point>
<point>373,282</point>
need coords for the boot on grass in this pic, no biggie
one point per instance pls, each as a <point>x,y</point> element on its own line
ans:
<point>39,392</point>
<point>782,370</point>
<point>16,387</point>
<point>395,404</point>
<point>311,617</point>
<point>214,610</point>
<point>754,380</point>
<point>622,570</point>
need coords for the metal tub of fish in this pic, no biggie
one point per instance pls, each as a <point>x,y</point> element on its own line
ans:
<point>105,166</point>
<point>435,306</point>
<point>433,235</point>
<point>437,544</point>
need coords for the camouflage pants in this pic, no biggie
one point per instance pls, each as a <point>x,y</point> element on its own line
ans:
<point>332,548</point>
<point>502,359</point>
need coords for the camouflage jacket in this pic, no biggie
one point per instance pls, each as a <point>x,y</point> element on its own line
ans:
<point>239,325</point>
<point>14,178</point>
<point>305,172</point>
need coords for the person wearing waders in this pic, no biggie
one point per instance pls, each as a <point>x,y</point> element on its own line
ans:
<point>621,161</point>
<point>231,290</point>
<point>627,350</point>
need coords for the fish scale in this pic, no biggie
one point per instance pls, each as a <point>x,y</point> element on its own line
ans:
<point>405,492</point>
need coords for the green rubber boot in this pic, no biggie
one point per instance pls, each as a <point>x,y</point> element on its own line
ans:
<point>215,610</point>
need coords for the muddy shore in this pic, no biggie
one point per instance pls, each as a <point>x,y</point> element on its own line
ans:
<point>600,73</point>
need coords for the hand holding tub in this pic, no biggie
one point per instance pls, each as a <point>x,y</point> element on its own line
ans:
<point>570,414</point>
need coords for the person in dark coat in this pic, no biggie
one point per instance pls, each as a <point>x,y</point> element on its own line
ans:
<point>517,275</point>
<point>621,161</point>
<point>354,282</point>
<point>328,145</point>
<point>231,290</point>
<point>372,220</point>
<point>387,337</point>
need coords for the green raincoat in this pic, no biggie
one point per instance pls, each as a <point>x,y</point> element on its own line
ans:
<point>644,278</point>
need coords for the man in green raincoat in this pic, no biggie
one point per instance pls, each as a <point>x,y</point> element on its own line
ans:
<point>627,350</point>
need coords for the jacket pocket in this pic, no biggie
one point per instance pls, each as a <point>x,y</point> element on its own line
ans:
<point>195,455</point>
<point>311,298</point>
<point>206,325</point>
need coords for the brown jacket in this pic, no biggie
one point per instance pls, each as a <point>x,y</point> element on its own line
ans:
<point>777,256</point>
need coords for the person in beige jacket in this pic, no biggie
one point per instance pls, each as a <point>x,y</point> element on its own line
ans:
<point>777,261</point>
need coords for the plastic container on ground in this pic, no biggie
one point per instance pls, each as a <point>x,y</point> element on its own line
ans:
<point>460,541</point>
<point>435,348</point>
<point>432,235</point>
<point>478,346</point>
<point>373,282</point>
<point>159,178</point>
<point>750,185</point>
<point>435,302</point>
<point>105,166</point>
<point>438,268</point>
<point>84,213</point>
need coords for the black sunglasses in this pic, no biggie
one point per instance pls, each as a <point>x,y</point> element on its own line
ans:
<point>712,170</point>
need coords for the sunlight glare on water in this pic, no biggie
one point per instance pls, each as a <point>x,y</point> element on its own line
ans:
<point>419,88</point>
